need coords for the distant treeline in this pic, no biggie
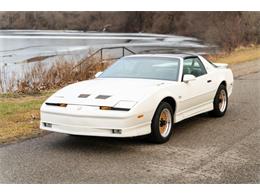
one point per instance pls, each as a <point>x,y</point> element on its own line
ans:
<point>226,29</point>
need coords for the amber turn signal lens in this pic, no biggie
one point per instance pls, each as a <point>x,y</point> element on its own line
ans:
<point>105,108</point>
<point>140,116</point>
<point>63,105</point>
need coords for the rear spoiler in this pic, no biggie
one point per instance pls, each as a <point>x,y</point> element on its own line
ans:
<point>220,65</point>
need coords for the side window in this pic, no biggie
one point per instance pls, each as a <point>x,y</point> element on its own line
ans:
<point>193,66</point>
<point>199,66</point>
<point>187,64</point>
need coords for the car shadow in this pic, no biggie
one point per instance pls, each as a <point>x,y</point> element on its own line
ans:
<point>87,142</point>
<point>186,123</point>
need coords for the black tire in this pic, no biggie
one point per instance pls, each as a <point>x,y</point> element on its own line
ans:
<point>155,135</point>
<point>217,112</point>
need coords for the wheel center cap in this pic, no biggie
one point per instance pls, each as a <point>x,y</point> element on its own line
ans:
<point>162,123</point>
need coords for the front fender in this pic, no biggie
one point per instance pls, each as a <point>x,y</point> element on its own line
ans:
<point>149,103</point>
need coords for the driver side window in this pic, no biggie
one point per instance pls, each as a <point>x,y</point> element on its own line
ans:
<point>193,66</point>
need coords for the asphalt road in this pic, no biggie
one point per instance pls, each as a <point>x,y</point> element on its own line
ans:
<point>202,150</point>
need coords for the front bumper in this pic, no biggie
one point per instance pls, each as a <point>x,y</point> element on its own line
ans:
<point>90,121</point>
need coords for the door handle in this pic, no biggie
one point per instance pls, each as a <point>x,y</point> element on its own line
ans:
<point>208,81</point>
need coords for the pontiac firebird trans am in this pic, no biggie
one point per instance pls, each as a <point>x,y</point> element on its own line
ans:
<point>140,95</point>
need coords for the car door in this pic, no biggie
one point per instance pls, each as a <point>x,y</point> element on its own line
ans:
<point>194,94</point>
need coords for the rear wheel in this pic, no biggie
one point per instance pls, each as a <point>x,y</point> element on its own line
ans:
<point>220,102</point>
<point>162,123</point>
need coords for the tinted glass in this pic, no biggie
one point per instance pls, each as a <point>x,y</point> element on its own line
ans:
<point>145,68</point>
<point>193,66</point>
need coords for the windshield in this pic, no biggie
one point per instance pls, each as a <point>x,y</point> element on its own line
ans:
<point>144,67</point>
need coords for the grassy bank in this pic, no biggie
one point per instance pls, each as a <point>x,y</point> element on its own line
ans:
<point>239,55</point>
<point>19,116</point>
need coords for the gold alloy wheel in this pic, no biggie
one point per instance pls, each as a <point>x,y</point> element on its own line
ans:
<point>165,122</point>
<point>222,100</point>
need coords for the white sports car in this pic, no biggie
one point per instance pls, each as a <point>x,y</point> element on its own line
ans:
<point>140,95</point>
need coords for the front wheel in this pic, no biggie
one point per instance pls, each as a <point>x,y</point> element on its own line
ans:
<point>220,102</point>
<point>162,123</point>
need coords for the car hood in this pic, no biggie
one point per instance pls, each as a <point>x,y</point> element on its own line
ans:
<point>106,91</point>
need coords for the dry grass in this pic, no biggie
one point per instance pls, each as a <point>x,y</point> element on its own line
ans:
<point>19,116</point>
<point>239,55</point>
<point>20,110</point>
<point>62,72</point>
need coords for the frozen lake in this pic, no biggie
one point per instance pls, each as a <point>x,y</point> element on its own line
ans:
<point>20,49</point>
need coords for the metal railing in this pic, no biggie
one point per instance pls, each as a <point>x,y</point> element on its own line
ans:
<point>100,52</point>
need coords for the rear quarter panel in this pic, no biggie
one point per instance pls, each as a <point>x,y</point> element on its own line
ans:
<point>225,74</point>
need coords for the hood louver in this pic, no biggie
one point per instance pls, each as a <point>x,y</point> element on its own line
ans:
<point>83,95</point>
<point>103,97</point>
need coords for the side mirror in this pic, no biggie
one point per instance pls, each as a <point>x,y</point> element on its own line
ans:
<point>98,74</point>
<point>188,77</point>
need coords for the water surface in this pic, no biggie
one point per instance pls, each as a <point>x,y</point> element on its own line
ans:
<point>21,49</point>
